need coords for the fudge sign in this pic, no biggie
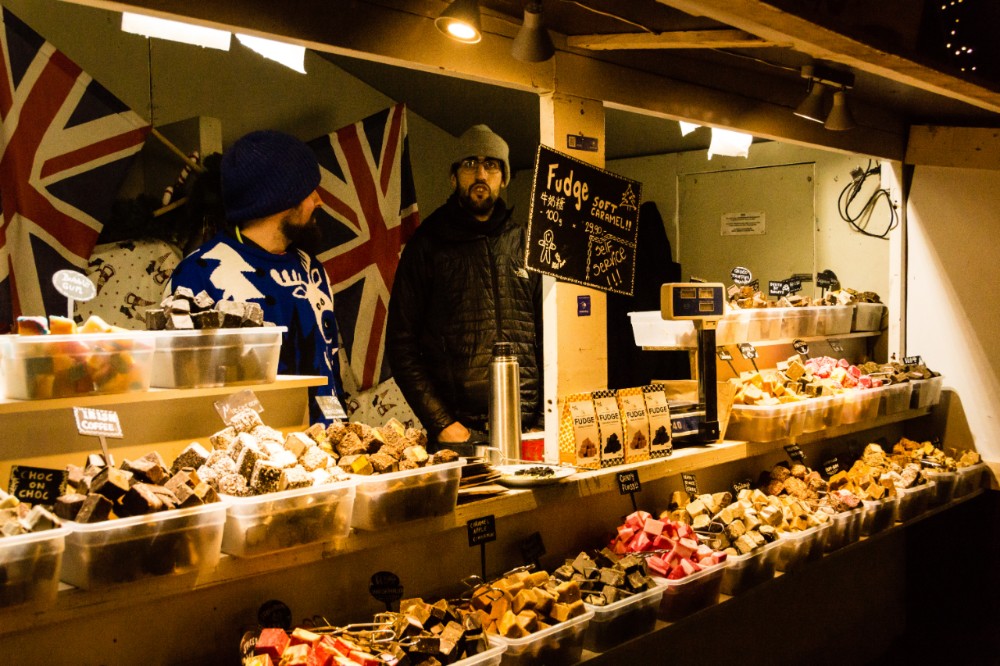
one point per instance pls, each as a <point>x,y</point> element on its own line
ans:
<point>97,422</point>
<point>36,485</point>
<point>583,223</point>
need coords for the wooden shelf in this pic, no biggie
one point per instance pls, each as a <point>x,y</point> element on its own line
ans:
<point>72,601</point>
<point>780,341</point>
<point>281,382</point>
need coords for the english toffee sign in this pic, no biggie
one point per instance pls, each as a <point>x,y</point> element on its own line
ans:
<point>583,224</point>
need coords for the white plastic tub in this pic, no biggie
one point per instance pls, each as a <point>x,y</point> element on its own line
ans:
<point>650,329</point>
<point>743,572</point>
<point>490,657</point>
<point>834,319</point>
<point>123,550</point>
<point>383,500</point>
<point>867,316</point>
<point>914,501</point>
<point>845,529</point>
<point>216,357</point>
<point>766,424</point>
<point>926,392</point>
<point>970,479</point>
<point>684,596</point>
<point>880,515</point>
<point>30,566</point>
<point>944,485</point>
<point>896,398</point>
<point>277,521</point>
<point>622,620</point>
<point>797,548</point>
<point>860,405</point>
<point>559,645</point>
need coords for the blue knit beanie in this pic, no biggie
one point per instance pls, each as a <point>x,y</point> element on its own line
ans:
<point>266,172</point>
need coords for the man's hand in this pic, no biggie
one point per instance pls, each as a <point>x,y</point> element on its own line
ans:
<point>454,434</point>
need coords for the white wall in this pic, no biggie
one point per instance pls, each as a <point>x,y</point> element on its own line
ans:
<point>953,313</point>
<point>860,262</point>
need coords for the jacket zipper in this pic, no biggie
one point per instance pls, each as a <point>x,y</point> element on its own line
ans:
<point>495,279</point>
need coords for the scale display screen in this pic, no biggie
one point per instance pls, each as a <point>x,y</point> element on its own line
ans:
<point>692,300</point>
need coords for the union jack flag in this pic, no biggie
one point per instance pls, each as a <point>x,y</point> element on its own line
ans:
<point>370,211</point>
<point>67,144</point>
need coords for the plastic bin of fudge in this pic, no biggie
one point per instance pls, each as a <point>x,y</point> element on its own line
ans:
<point>971,478</point>
<point>880,515</point>
<point>744,572</point>
<point>914,500</point>
<point>622,620</point>
<point>220,357</point>
<point>558,645</point>
<point>798,548</point>
<point>32,541</point>
<point>383,500</point>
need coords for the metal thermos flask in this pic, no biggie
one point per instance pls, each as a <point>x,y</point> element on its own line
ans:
<point>505,402</point>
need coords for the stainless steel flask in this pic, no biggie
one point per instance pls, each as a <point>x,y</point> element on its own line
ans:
<point>505,402</point>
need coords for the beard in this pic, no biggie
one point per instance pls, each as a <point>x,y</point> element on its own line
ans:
<point>474,205</point>
<point>305,235</point>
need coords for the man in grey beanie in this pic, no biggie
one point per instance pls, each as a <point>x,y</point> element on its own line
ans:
<point>460,286</point>
<point>269,189</point>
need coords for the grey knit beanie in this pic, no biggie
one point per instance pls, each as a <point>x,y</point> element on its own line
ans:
<point>481,140</point>
<point>266,172</point>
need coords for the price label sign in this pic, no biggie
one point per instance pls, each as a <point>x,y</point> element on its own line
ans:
<point>827,279</point>
<point>794,285</point>
<point>777,288</point>
<point>628,482</point>
<point>801,347</point>
<point>229,408</point>
<point>747,350</point>
<point>532,548</point>
<point>36,485</point>
<point>913,360</point>
<point>723,354</point>
<point>690,483</point>
<point>385,586</point>
<point>74,285</point>
<point>482,530</point>
<point>744,484</point>
<point>741,275</point>
<point>836,346</point>
<point>795,453</point>
<point>831,466</point>
<point>97,422</point>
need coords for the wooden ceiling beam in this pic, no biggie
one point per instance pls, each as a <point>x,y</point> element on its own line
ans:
<point>681,39</point>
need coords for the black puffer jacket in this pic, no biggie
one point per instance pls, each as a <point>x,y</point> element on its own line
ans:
<point>461,286</point>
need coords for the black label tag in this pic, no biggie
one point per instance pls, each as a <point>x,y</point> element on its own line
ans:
<point>745,484</point>
<point>741,275</point>
<point>385,586</point>
<point>836,346</point>
<point>628,482</point>
<point>748,350</point>
<point>795,453</point>
<point>482,530</point>
<point>723,354</point>
<point>777,288</point>
<point>274,613</point>
<point>755,285</point>
<point>690,483</point>
<point>913,360</point>
<point>801,347</point>
<point>532,548</point>
<point>826,279</point>
<point>794,285</point>
<point>233,404</point>
<point>36,485</point>
<point>831,466</point>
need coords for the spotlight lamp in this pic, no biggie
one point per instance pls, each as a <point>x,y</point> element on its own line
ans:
<point>533,42</point>
<point>460,21</point>
<point>823,79</point>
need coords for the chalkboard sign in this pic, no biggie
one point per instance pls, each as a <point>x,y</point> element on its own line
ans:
<point>794,285</point>
<point>583,224</point>
<point>795,453</point>
<point>836,346</point>
<point>748,350</point>
<point>532,548</point>
<point>827,279</point>
<point>831,466</point>
<point>690,483</point>
<point>628,482</point>
<point>92,422</point>
<point>233,404</point>
<point>723,354</point>
<point>482,530</point>
<point>73,284</point>
<point>745,484</point>
<point>777,288</point>
<point>36,485</point>
<point>801,347</point>
<point>741,275</point>
<point>913,360</point>
<point>385,586</point>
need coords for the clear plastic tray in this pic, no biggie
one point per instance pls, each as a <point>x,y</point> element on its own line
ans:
<point>763,323</point>
<point>383,500</point>
<point>216,357</point>
<point>29,567</point>
<point>914,501</point>
<point>970,479</point>
<point>834,319</point>
<point>798,322</point>
<point>490,657</point>
<point>559,645</point>
<point>926,392</point>
<point>690,594</point>
<point>880,515</point>
<point>823,412</point>
<point>650,329</point>
<point>766,424</point>
<point>845,529</point>
<point>127,549</point>
<point>867,316</point>
<point>37,367</point>
<point>624,619</point>
<point>732,328</point>
<point>743,572</point>
<point>797,548</point>
<point>276,521</point>
<point>860,405</point>
<point>944,486</point>
<point>895,398</point>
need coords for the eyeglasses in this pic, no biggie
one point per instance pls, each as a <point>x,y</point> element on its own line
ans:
<point>471,164</point>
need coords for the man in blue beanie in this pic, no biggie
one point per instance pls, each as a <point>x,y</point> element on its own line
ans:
<point>269,182</point>
<point>460,286</point>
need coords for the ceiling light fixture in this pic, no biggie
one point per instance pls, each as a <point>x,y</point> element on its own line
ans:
<point>533,42</point>
<point>460,21</point>
<point>175,31</point>
<point>821,79</point>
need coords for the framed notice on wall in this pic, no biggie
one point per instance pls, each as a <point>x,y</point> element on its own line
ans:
<point>583,223</point>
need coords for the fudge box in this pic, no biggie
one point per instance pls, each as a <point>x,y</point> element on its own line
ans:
<point>579,435</point>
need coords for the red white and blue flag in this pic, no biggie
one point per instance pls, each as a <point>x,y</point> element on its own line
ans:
<point>66,145</point>
<point>369,212</point>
